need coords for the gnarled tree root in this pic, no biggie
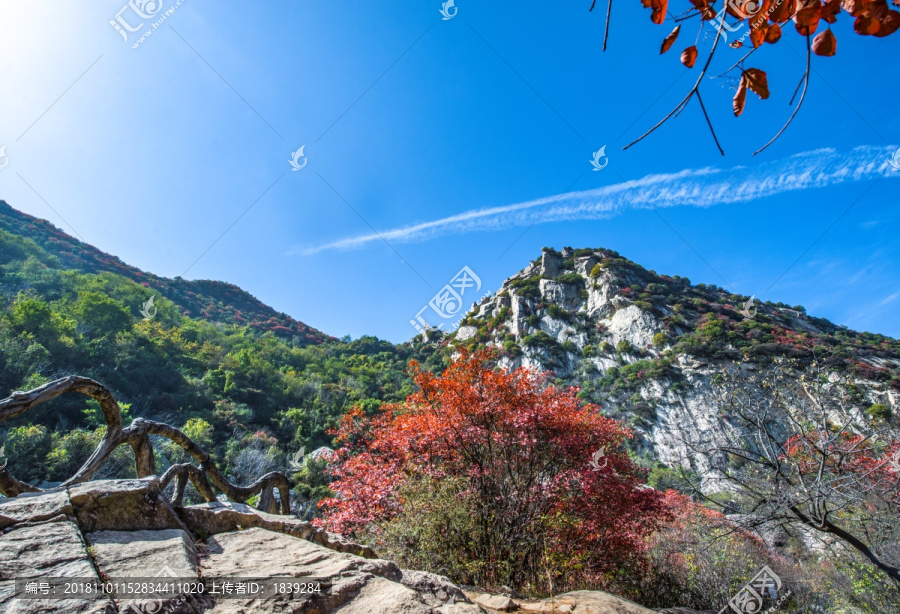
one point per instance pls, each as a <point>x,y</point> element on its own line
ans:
<point>137,435</point>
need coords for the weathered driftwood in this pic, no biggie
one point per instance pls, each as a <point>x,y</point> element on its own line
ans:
<point>138,437</point>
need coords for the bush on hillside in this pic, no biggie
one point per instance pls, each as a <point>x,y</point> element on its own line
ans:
<point>485,476</point>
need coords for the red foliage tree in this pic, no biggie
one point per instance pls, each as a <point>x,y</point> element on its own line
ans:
<point>543,474</point>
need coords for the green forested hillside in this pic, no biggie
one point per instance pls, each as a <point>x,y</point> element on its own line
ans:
<point>214,301</point>
<point>248,395</point>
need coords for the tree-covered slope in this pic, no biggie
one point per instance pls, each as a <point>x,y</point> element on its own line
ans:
<point>250,395</point>
<point>214,301</point>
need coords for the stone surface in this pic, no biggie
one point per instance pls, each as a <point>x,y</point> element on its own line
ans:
<point>598,602</point>
<point>122,505</point>
<point>34,507</point>
<point>52,548</point>
<point>169,553</point>
<point>500,603</point>
<point>144,553</point>
<point>438,587</point>
<point>218,517</point>
<point>359,585</point>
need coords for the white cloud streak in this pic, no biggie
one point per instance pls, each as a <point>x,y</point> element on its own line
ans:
<point>704,187</point>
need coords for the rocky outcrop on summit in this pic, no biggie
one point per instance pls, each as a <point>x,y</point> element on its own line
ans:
<point>646,346</point>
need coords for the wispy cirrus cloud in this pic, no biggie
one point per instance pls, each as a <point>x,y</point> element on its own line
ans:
<point>703,187</point>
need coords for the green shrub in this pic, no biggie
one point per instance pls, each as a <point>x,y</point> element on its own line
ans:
<point>528,288</point>
<point>539,339</point>
<point>624,347</point>
<point>557,312</point>
<point>880,411</point>
<point>595,271</point>
<point>26,448</point>
<point>569,278</point>
<point>660,339</point>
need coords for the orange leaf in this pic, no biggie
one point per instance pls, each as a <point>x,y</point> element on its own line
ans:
<point>757,33</point>
<point>757,82</point>
<point>782,11</point>
<point>866,25</point>
<point>669,40</point>
<point>830,10</point>
<point>689,56</point>
<point>773,34</point>
<point>889,24</point>
<point>735,44</point>
<point>824,43</point>
<point>739,98</point>
<point>807,19</point>
<point>659,11</point>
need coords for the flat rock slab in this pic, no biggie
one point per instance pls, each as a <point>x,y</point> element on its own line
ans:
<point>359,585</point>
<point>144,554</point>
<point>34,507</point>
<point>499,603</point>
<point>122,505</point>
<point>47,549</point>
<point>169,553</point>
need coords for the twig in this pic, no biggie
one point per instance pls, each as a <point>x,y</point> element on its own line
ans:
<point>796,89</point>
<point>733,66</point>
<point>606,30</point>
<point>686,15</point>
<point>709,123</point>
<point>687,98</point>
<point>799,103</point>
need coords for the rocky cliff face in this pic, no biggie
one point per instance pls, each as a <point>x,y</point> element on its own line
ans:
<point>119,529</point>
<point>646,346</point>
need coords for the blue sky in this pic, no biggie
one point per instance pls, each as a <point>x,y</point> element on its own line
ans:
<point>462,142</point>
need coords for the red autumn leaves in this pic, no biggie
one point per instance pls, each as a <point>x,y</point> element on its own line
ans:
<point>519,449</point>
<point>764,20</point>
